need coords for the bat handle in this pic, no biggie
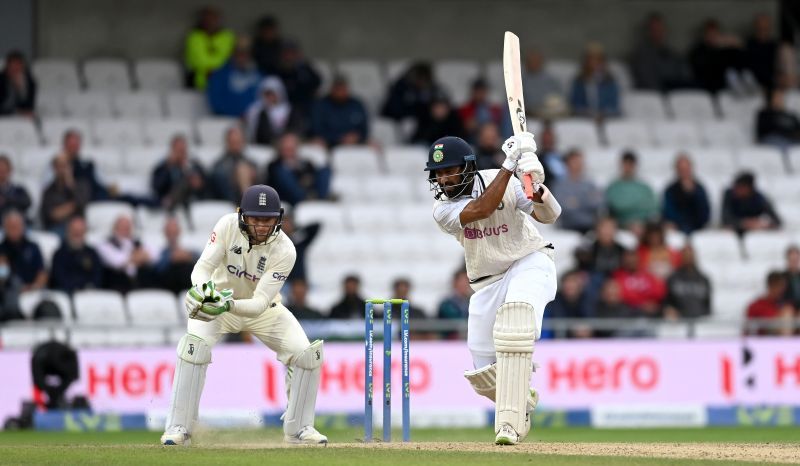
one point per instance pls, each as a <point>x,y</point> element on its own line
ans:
<point>527,184</point>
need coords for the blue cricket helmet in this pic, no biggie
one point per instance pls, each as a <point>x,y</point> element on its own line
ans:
<point>447,152</point>
<point>260,200</point>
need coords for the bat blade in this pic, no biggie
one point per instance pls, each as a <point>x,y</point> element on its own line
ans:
<point>512,74</point>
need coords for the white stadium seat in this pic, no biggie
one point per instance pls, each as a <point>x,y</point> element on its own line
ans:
<point>93,105</point>
<point>395,69</point>
<point>456,76</point>
<point>49,104</point>
<point>765,161</point>
<point>627,134</point>
<point>203,215</point>
<point>314,153</point>
<point>88,337</point>
<point>159,133</point>
<point>564,71</point>
<point>407,160</point>
<point>645,106</point>
<point>657,162</point>
<point>365,79</point>
<point>30,299</point>
<point>121,133</point>
<point>100,216</point>
<point>186,104</point>
<point>138,105</point>
<point>330,215</point>
<point>107,160</point>
<point>691,105</point>
<point>48,244</point>
<point>53,74</point>
<point>34,162</point>
<point>580,133</point>
<point>494,77</point>
<point>158,75</point>
<point>355,160</point>
<point>211,131</point>
<point>740,109</point>
<point>99,307</point>
<point>621,74</point>
<point>725,133</point>
<point>152,308</point>
<point>384,131</point>
<point>716,246</point>
<point>53,129</point>
<point>26,337</point>
<point>107,74</point>
<point>768,247</point>
<point>325,70</point>
<point>602,165</point>
<point>18,132</point>
<point>676,134</point>
<point>140,161</point>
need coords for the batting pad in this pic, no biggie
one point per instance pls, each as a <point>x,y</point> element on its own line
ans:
<point>484,382</point>
<point>303,389</point>
<point>194,355</point>
<point>514,335</point>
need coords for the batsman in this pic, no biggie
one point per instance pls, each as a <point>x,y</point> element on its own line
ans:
<point>509,264</point>
<point>236,287</point>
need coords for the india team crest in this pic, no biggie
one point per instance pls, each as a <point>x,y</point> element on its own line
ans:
<point>438,156</point>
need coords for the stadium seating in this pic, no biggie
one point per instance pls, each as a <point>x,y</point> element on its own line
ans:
<point>99,308</point>
<point>107,75</point>
<point>56,75</point>
<point>158,75</point>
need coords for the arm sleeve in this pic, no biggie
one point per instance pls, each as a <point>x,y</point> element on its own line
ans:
<point>447,215</point>
<point>212,255</point>
<point>546,211</point>
<point>268,287</point>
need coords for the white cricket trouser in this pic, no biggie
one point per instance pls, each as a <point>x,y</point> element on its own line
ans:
<point>531,280</point>
<point>276,327</point>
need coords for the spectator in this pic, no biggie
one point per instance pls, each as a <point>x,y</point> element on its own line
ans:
<point>582,200</point>
<point>786,73</point>
<point>745,209</point>
<point>605,253</point>
<point>267,45</point>
<point>12,196</point>
<point>544,97</point>
<point>792,275</point>
<point>82,169</point>
<point>65,197</point>
<point>594,91</point>
<point>272,114</point>
<point>655,65</point>
<point>126,261</point>
<point>775,124</point>
<point>611,306</point>
<point>401,289</point>
<point>339,118</point>
<point>178,180</point>
<point>412,94</point>
<point>224,174</point>
<point>715,57</point>
<point>301,310</point>
<point>686,205</point>
<point>23,255</point>
<point>296,179</point>
<point>630,201</point>
<point>549,154</point>
<point>456,306</point>
<point>773,307</point>
<point>571,302</point>
<point>246,176</point>
<point>173,265</point>
<point>10,289</point>
<point>351,306</point>
<point>301,81</point>
<point>488,150</point>
<point>478,110</point>
<point>76,265</point>
<point>654,254</point>
<point>441,120</point>
<point>208,46</point>
<point>639,289</point>
<point>688,290</point>
<point>17,87</point>
<point>301,237</point>
<point>761,52</point>
<point>232,88</point>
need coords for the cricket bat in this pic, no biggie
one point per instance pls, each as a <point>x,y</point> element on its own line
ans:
<point>516,104</point>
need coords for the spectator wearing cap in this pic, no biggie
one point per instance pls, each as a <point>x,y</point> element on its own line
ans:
<point>12,196</point>
<point>76,265</point>
<point>544,97</point>
<point>208,46</point>
<point>594,91</point>
<point>234,87</point>
<point>686,205</point>
<point>656,66</point>
<point>340,118</point>
<point>17,87</point>
<point>440,121</point>
<point>478,110</point>
<point>23,255</point>
<point>579,195</point>
<point>267,45</point>
<point>629,200</point>
<point>296,179</point>
<point>271,114</point>
<point>744,208</point>
<point>301,80</point>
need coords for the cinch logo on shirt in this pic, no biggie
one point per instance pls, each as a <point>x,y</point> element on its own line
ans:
<point>241,273</point>
<point>476,233</point>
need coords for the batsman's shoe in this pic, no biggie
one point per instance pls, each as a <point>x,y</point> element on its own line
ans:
<point>308,435</point>
<point>506,436</point>
<point>176,435</point>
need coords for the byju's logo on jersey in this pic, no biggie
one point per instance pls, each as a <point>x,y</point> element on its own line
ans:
<point>236,249</point>
<point>477,233</point>
<point>262,264</point>
<point>242,273</point>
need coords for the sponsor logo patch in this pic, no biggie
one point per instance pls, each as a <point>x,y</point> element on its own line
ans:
<point>477,233</point>
<point>236,249</point>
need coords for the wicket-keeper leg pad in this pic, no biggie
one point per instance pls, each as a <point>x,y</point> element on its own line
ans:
<point>514,335</point>
<point>303,389</point>
<point>194,356</point>
<point>484,382</point>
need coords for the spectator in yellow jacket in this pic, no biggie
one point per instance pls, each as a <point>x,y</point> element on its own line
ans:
<point>208,47</point>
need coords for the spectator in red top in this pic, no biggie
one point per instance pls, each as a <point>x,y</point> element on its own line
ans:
<point>478,110</point>
<point>654,254</point>
<point>639,288</point>
<point>772,306</point>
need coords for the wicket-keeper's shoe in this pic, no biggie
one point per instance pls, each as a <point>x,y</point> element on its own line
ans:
<point>308,435</point>
<point>507,436</point>
<point>176,435</point>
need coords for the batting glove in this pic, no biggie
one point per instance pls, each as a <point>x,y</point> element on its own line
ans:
<point>515,146</point>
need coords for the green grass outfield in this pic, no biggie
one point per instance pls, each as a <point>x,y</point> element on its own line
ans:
<point>434,447</point>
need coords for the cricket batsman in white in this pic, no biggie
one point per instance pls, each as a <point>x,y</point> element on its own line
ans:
<point>236,287</point>
<point>509,264</point>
